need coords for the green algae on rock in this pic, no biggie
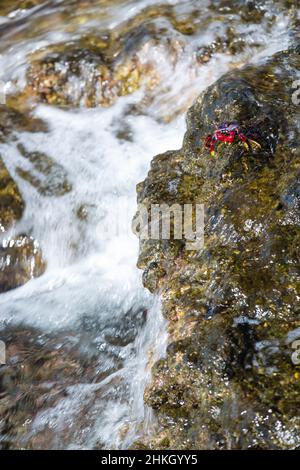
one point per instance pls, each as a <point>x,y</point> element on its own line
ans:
<point>228,380</point>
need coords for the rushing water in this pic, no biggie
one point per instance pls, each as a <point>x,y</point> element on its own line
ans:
<point>91,293</point>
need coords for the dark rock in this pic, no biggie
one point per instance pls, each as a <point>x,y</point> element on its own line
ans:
<point>228,380</point>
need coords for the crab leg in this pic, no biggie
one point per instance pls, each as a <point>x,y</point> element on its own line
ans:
<point>256,144</point>
<point>210,144</point>
<point>244,139</point>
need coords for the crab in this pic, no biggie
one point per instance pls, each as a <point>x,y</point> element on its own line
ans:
<point>227,132</point>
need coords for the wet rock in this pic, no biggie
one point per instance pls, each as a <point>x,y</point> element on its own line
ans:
<point>38,372</point>
<point>11,202</point>
<point>20,256</point>
<point>20,260</point>
<point>52,179</point>
<point>53,387</point>
<point>228,380</point>
<point>12,120</point>
<point>9,6</point>
<point>84,75</point>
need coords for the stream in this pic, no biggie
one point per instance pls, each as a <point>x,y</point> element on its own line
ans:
<point>90,298</point>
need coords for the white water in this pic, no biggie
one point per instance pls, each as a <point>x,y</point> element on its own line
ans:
<point>91,278</point>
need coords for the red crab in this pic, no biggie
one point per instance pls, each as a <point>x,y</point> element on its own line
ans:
<point>227,133</point>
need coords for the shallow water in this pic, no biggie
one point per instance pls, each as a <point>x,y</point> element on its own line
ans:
<point>91,292</point>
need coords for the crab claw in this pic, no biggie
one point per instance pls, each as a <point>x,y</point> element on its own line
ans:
<point>244,139</point>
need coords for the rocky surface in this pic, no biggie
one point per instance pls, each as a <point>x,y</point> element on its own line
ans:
<point>228,380</point>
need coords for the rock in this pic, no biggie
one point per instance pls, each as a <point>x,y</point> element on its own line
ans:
<point>9,6</point>
<point>228,380</point>
<point>20,260</point>
<point>52,179</point>
<point>53,386</point>
<point>20,256</point>
<point>12,120</point>
<point>39,369</point>
<point>83,74</point>
<point>11,202</point>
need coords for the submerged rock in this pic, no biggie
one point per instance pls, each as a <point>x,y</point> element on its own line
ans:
<point>20,260</point>
<point>20,256</point>
<point>39,370</point>
<point>52,179</point>
<point>12,120</point>
<point>228,380</point>
<point>83,74</point>
<point>11,6</point>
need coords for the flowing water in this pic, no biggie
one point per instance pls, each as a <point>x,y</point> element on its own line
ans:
<point>91,294</point>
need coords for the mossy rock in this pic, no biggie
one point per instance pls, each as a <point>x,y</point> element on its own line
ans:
<point>228,380</point>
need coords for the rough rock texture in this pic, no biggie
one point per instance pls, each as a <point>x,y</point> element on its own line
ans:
<point>228,380</point>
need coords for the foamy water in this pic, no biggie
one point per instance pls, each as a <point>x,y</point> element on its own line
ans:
<point>91,275</point>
